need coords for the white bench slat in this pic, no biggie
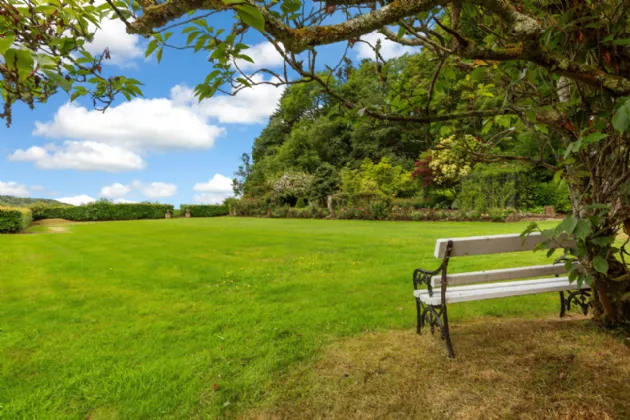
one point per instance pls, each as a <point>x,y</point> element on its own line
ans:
<point>455,296</point>
<point>484,286</point>
<point>495,244</point>
<point>499,275</point>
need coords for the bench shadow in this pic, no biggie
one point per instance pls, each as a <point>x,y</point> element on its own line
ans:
<point>505,369</point>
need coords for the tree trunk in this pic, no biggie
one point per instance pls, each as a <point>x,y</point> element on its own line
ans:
<point>610,293</point>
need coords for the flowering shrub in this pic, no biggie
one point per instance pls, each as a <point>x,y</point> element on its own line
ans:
<point>291,186</point>
<point>446,163</point>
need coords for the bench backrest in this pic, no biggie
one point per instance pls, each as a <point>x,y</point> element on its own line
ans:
<point>498,244</point>
<point>495,244</point>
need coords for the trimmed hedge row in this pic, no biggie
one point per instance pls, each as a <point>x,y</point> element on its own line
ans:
<point>205,210</point>
<point>376,211</point>
<point>14,219</point>
<point>102,210</point>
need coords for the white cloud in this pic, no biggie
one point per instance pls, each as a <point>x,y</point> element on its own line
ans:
<point>217,189</point>
<point>81,156</point>
<point>249,106</point>
<point>389,49</point>
<point>116,190</point>
<point>120,138</point>
<point>14,189</point>
<point>123,201</point>
<point>77,200</point>
<point>264,55</point>
<point>36,187</point>
<point>139,125</point>
<point>155,189</point>
<point>124,48</point>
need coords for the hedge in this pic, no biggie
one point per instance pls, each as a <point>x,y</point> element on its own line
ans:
<point>102,210</point>
<point>205,210</point>
<point>14,219</point>
<point>379,210</point>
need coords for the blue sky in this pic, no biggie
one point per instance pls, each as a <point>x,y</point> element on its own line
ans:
<point>163,147</point>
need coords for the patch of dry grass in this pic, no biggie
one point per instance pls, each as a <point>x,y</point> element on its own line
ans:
<point>505,369</point>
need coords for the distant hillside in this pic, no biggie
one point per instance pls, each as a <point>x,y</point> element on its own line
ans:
<point>9,200</point>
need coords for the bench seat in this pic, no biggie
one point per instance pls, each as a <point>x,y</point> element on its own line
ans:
<point>457,294</point>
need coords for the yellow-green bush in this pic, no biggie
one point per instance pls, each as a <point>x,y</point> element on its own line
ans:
<point>15,219</point>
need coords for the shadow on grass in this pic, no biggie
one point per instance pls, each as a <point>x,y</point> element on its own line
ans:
<point>505,369</point>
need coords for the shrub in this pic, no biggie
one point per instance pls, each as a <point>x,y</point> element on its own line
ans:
<point>43,210</point>
<point>379,210</point>
<point>15,219</point>
<point>104,210</point>
<point>205,210</point>
<point>248,207</point>
<point>300,203</point>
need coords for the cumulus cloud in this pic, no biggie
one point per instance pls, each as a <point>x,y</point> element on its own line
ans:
<point>217,189</point>
<point>249,106</point>
<point>139,125</point>
<point>264,55</point>
<point>81,156</point>
<point>119,139</point>
<point>14,189</point>
<point>124,48</point>
<point>155,189</point>
<point>388,49</point>
<point>77,200</point>
<point>116,190</point>
<point>124,201</point>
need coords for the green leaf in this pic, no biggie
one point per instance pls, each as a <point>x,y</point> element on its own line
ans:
<point>251,16</point>
<point>600,264</point>
<point>60,80</point>
<point>233,1</point>
<point>401,32</point>
<point>478,74</point>
<point>568,151</point>
<point>200,43</point>
<point>623,41</point>
<point>152,46</point>
<point>603,240</point>
<point>594,137</point>
<point>192,36</point>
<point>589,280</point>
<point>568,225</point>
<point>620,120</point>
<point>542,128</point>
<point>246,58</point>
<point>550,252</point>
<point>6,42</point>
<point>243,81</point>
<point>158,55</point>
<point>582,229</point>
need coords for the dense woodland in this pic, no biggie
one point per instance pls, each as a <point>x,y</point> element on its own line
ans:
<point>314,147</point>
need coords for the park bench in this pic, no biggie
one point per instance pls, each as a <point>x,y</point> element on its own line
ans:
<point>443,288</point>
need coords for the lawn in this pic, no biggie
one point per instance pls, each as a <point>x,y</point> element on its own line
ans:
<point>199,318</point>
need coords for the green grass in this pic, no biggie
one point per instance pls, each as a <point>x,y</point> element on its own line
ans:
<point>196,318</point>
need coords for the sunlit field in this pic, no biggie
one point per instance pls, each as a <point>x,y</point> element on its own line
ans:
<point>199,318</point>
